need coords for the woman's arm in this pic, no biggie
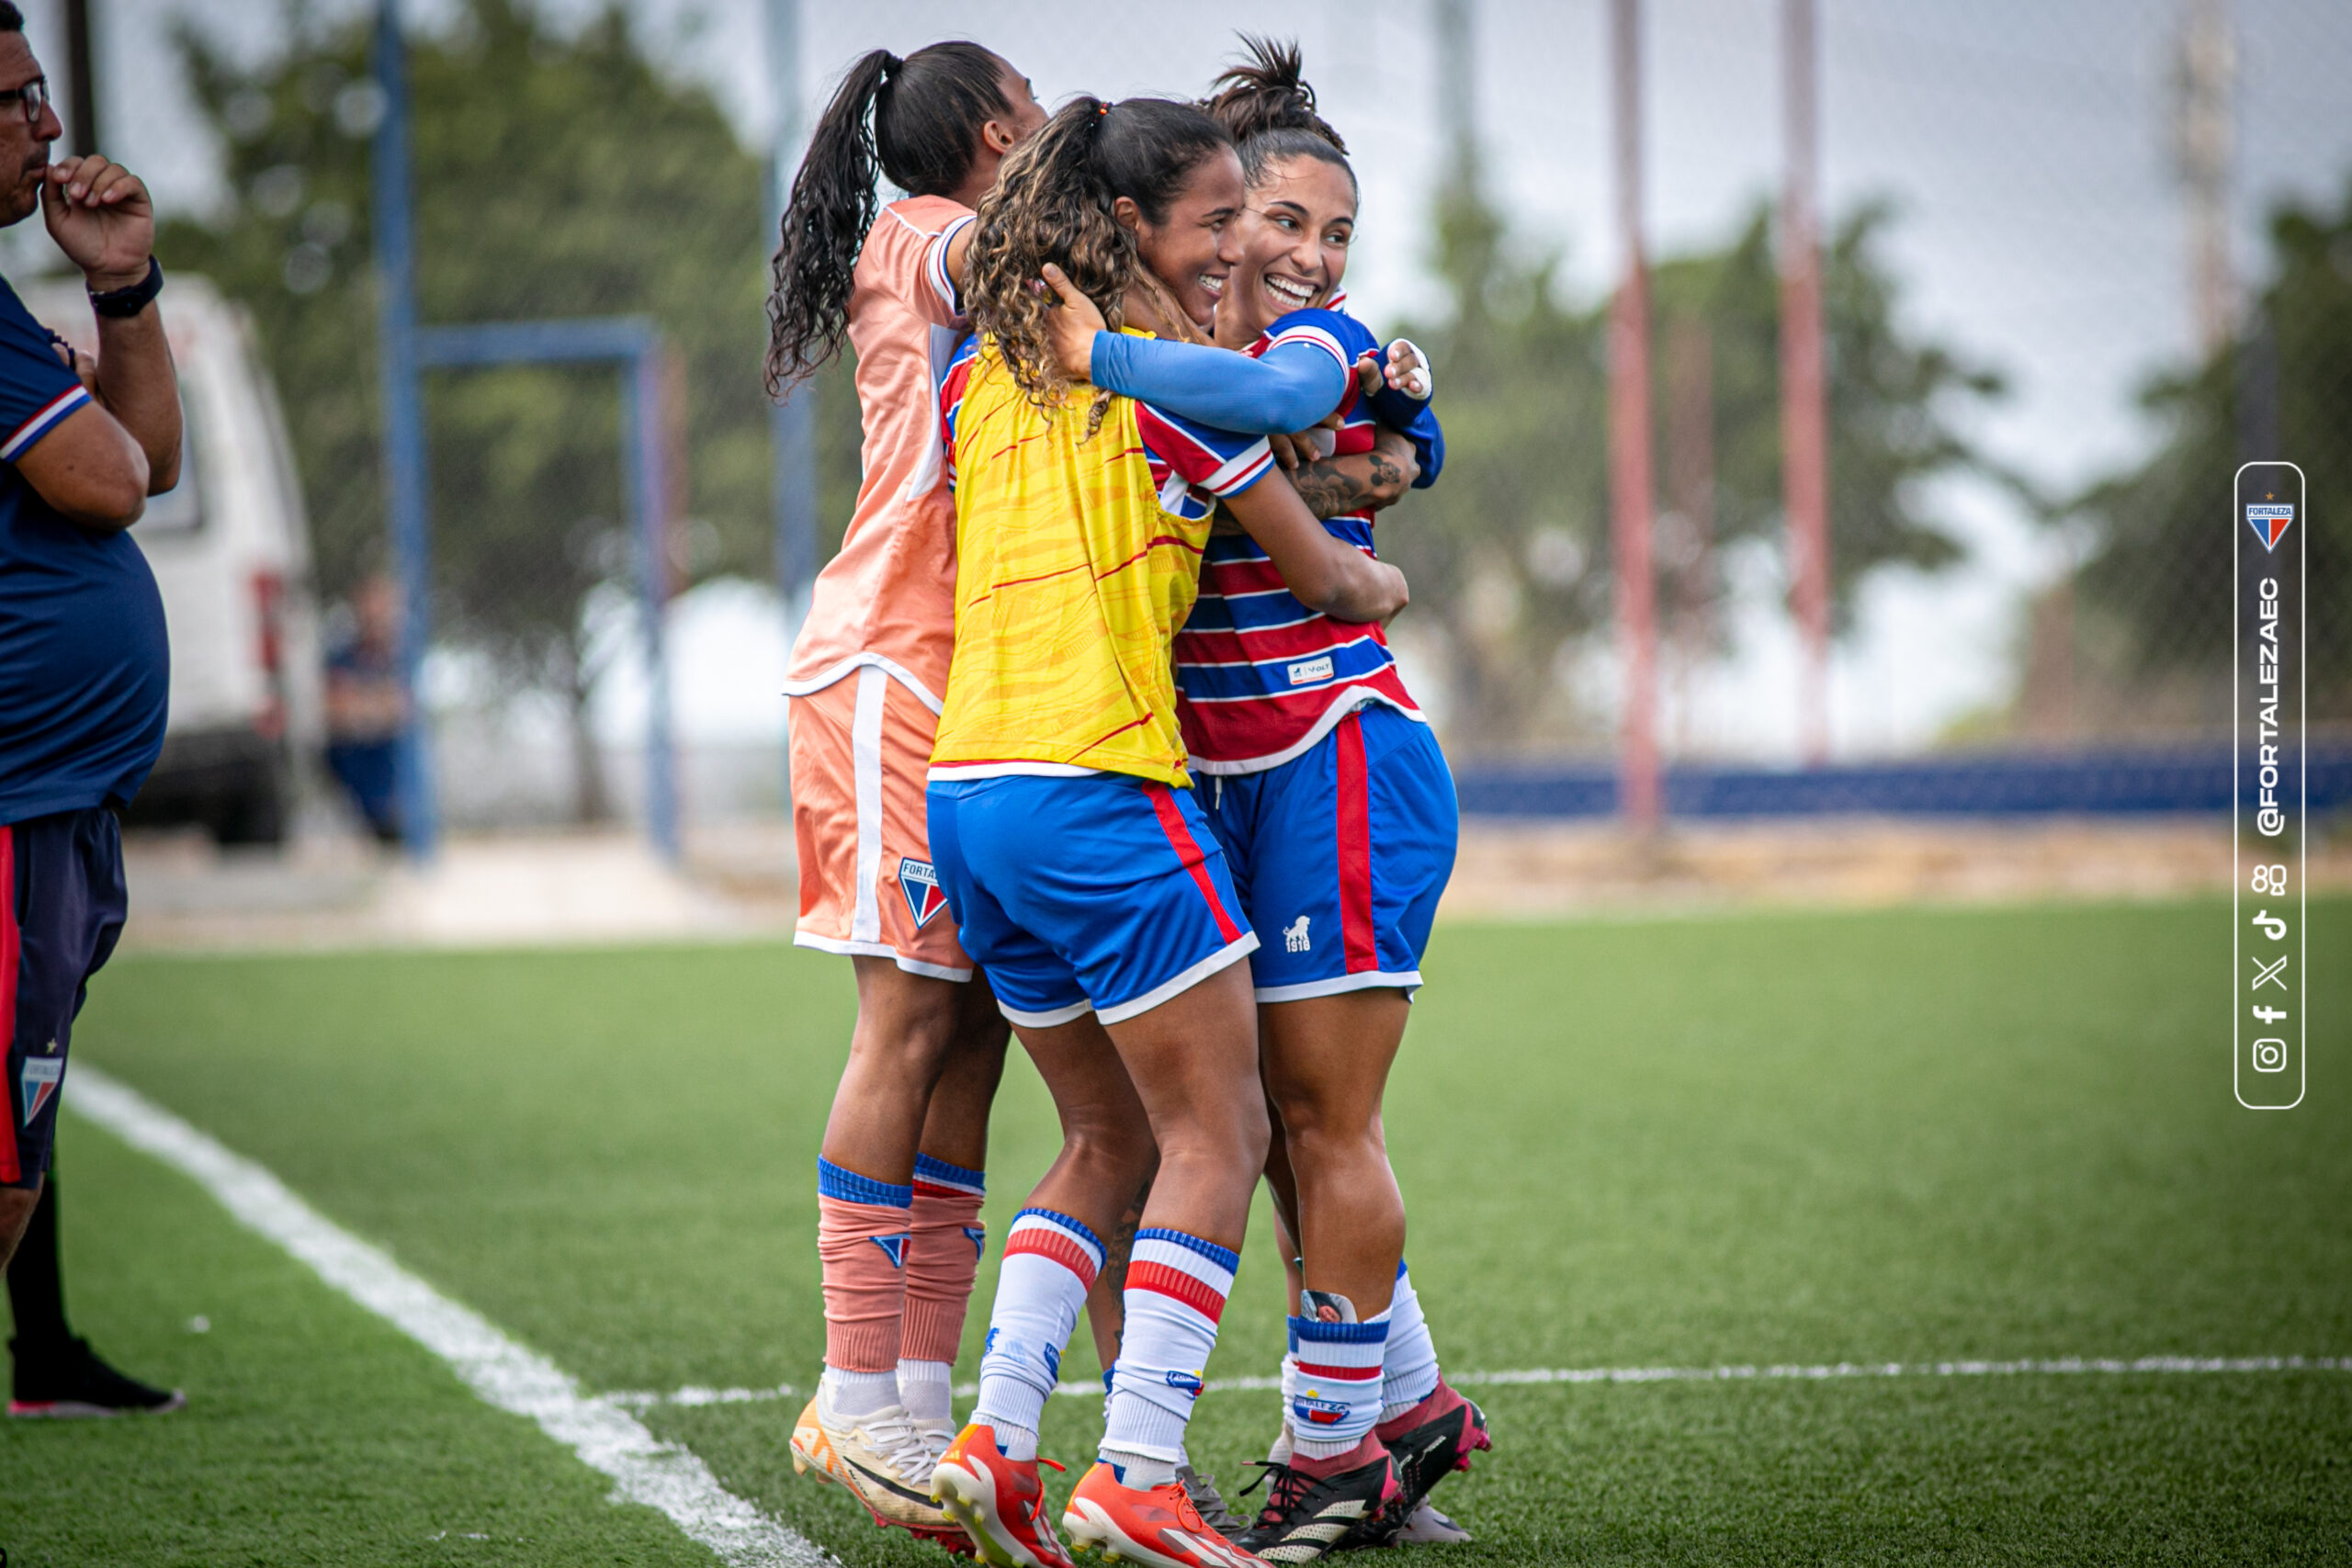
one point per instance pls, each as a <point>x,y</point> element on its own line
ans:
<point>1336,487</point>
<point>1321,572</point>
<point>1287,390</point>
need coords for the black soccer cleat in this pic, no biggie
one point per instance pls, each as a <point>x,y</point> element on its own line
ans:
<point>1427,1453</point>
<point>1306,1517</point>
<point>69,1382</point>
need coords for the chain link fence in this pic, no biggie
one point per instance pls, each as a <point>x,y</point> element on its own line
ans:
<point>2081,260</point>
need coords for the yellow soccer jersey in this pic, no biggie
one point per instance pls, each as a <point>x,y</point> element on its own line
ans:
<point>1077,559</point>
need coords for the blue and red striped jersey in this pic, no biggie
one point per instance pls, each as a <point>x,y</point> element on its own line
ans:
<point>1259,677</point>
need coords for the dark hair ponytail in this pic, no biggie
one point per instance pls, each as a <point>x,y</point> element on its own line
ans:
<point>1270,109</point>
<point>1053,203</point>
<point>916,121</point>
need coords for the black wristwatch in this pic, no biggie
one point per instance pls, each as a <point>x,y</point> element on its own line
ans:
<point>131,300</point>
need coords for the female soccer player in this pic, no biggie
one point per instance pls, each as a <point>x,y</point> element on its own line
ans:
<point>899,1180</point>
<point>1313,744</point>
<point>1081,869</point>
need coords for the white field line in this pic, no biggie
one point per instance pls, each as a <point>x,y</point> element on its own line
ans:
<point>605,1435</point>
<point>642,1399</point>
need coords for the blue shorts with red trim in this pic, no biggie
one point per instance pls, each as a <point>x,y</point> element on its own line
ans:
<point>1103,892</point>
<point>61,906</point>
<point>1340,854</point>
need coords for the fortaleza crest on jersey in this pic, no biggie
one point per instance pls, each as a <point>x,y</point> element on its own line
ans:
<point>2269,521</point>
<point>38,1082</point>
<point>920,883</point>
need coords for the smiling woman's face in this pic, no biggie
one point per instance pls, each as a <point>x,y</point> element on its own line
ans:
<point>1296,234</point>
<point>1195,251</point>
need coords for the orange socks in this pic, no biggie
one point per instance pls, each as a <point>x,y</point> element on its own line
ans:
<point>863,1228</point>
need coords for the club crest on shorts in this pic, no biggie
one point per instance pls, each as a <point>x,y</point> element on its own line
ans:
<point>920,881</point>
<point>2269,521</point>
<point>38,1082</point>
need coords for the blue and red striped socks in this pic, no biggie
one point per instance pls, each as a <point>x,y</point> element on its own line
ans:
<point>1175,1294</point>
<point>1050,1260</point>
<point>1334,1397</point>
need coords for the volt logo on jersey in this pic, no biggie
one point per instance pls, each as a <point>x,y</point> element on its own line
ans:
<point>920,881</point>
<point>895,1246</point>
<point>2269,523</point>
<point>1309,669</point>
<point>38,1082</point>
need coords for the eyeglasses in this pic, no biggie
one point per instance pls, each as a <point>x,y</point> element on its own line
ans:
<point>33,94</point>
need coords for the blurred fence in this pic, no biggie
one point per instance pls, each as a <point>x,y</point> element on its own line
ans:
<point>2089,782</point>
<point>2082,260</point>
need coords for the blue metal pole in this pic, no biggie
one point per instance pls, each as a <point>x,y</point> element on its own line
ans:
<point>793,424</point>
<point>645,463</point>
<point>404,470</point>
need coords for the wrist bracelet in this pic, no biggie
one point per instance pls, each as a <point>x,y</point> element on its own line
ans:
<point>124,303</point>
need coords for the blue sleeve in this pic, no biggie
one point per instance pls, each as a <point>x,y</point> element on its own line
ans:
<point>1416,420</point>
<point>1289,388</point>
<point>36,389</point>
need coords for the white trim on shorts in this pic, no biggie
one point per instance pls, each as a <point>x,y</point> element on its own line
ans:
<point>1233,951</point>
<point>881,950</point>
<point>1362,980</point>
<point>1042,1019</point>
<point>810,686</point>
<point>1351,700</point>
<point>949,772</point>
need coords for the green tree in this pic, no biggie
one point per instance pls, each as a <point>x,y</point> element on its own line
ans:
<point>2159,561</point>
<point>553,176</point>
<point>1509,554</point>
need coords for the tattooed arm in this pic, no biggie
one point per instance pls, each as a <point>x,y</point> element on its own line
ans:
<point>1333,487</point>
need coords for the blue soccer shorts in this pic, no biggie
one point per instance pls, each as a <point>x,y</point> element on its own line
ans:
<point>1103,892</point>
<point>1340,854</point>
<point>62,906</point>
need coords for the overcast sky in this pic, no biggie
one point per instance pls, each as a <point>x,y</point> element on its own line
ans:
<point>2024,141</point>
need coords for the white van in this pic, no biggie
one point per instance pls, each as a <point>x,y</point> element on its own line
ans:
<point>231,551</point>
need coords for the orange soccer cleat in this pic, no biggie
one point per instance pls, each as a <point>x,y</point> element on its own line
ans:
<point>1156,1525</point>
<point>1000,1502</point>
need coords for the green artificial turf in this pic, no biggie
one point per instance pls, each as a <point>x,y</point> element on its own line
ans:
<point>1885,1136</point>
<point>314,1432</point>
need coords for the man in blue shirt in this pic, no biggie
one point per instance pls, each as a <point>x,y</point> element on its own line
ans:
<point>84,662</point>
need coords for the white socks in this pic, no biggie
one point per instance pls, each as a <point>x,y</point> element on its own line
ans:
<point>927,1390</point>
<point>857,1394</point>
<point>1409,1370</point>
<point>1050,1260</point>
<point>1176,1289</point>
<point>1334,1398</point>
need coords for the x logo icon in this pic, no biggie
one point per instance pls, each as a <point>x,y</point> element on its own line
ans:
<point>2269,972</point>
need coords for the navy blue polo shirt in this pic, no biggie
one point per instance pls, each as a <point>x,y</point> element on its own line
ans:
<point>85,664</point>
